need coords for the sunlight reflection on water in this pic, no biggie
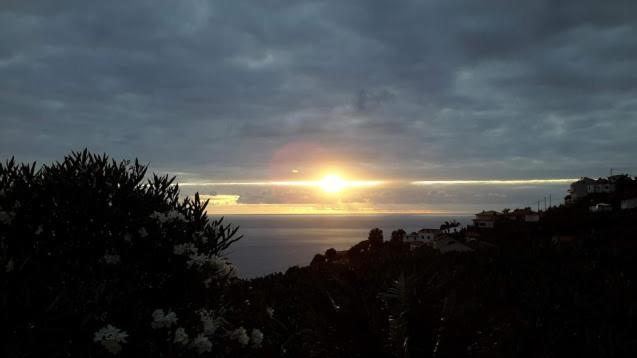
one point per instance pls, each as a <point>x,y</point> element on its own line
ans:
<point>273,243</point>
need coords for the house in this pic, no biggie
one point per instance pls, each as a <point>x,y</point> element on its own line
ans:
<point>427,234</point>
<point>413,245</point>
<point>486,219</point>
<point>526,215</point>
<point>423,235</point>
<point>446,244</point>
<point>604,186</point>
<point>582,188</point>
<point>586,186</point>
<point>627,204</point>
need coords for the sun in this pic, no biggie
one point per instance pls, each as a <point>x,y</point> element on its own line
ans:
<point>332,184</point>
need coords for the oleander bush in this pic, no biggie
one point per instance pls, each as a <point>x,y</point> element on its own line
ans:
<point>97,260</point>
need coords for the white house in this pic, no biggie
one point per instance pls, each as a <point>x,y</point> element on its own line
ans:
<point>411,237</point>
<point>424,235</point>
<point>428,234</point>
<point>586,186</point>
<point>486,219</point>
<point>582,188</point>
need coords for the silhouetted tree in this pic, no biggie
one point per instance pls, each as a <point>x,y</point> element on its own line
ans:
<point>318,260</point>
<point>397,236</point>
<point>358,250</point>
<point>330,254</point>
<point>446,226</point>
<point>375,237</point>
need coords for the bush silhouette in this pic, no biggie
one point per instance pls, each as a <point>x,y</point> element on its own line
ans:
<point>86,243</point>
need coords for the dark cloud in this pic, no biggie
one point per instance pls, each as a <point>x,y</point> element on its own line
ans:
<point>412,89</point>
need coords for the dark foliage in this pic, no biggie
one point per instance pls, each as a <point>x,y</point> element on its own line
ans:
<point>526,297</point>
<point>375,237</point>
<point>87,242</point>
<point>397,236</point>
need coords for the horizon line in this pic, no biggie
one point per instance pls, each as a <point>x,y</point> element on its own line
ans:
<point>374,183</point>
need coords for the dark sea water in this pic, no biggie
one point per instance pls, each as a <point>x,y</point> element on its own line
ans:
<point>272,243</point>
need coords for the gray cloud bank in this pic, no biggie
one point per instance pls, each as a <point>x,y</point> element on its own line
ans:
<point>417,89</point>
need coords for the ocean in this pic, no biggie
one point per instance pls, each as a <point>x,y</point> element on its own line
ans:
<point>272,243</point>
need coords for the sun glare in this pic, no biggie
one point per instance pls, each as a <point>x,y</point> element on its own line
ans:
<point>332,184</point>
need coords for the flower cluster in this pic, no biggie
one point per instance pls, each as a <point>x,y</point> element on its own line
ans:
<point>209,322</point>
<point>185,249</point>
<point>202,344</point>
<point>256,337</point>
<point>241,336</point>
<point>161,320</point>
<point>6,217</point>
<point>112,259</point>
<point>218,264</point>
<point>111,338</point>
<point>181,336</point>
<point>171,215</point>
<point>9,266</point>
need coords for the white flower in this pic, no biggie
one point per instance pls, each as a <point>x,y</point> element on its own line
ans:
<point>9,266</point>
<point>217,264</point>
<point>172,215</point>
<point>207,282</point>
<point>209,322</point>
<point>223,268</point>
<point>161,320</point>
<point>143,232</point>
<point>112,259</point>
<point>185,249</point>
<point>202,344</point>
<point>180,336</point>
<point>256,337</point>
<point>175,215</point>
<point>6,217</point>
<point>157,216</point>
<point>111,338</point>
<point>241,335</point>
<point>197,260</point>
<point>270,311</point>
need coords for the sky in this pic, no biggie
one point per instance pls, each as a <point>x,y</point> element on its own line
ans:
<point>223,92</point>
